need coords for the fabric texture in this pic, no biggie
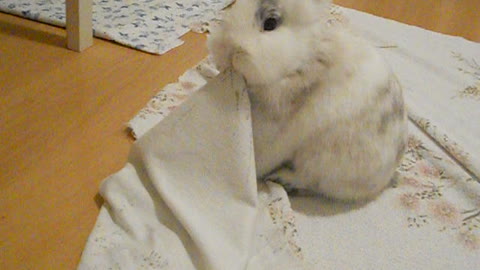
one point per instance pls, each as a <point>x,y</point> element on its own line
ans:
<point>188,196</point>
<point>154,26</point>
<point>430,218</point>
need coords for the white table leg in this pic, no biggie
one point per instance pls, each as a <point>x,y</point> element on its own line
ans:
<point>79,24</point>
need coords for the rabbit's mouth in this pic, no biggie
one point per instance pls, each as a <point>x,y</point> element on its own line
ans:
<point>256,70</point>
<point>238,57</point>
<point>242,63</point>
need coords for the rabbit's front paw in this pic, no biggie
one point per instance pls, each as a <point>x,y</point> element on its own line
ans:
<point>285,178</point>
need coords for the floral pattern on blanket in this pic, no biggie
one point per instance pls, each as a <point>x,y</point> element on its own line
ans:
<point>472,68</point>
<point>150,25</point>
<point>104,239</point>
<point>283,217</point>
<point>171,96</point>
<point>442,138</point>
<point>433,194</point>
<point>449,145</point>
<point>174,94</point>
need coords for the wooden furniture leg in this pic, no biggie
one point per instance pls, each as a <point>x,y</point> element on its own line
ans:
<point>79,24</point>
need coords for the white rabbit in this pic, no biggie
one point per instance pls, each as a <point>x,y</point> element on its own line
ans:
<point>324,101</point>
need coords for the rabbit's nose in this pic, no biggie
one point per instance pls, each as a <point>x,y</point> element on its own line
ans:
<point>239,51</point>
<point>239,56</point>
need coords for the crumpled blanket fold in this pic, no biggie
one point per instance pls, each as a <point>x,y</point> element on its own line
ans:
<point>188,197</point>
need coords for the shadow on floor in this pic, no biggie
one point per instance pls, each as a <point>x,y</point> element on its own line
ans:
<point>98,200</point>
<point>31,34</point>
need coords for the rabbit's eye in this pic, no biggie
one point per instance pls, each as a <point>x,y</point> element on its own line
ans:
<point>270,24</point>
<point>269,16</point>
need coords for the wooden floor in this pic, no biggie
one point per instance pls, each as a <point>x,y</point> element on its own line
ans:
<point>63,115</point>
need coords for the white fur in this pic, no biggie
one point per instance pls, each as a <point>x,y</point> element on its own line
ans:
<point>322,99</point>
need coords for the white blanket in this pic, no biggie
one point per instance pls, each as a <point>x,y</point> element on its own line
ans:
<point>188,196</point>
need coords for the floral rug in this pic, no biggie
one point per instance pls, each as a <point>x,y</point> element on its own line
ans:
<point>430,219</point>
<point>154,26</point>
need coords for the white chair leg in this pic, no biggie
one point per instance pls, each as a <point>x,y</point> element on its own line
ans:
<point>79,24</point>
